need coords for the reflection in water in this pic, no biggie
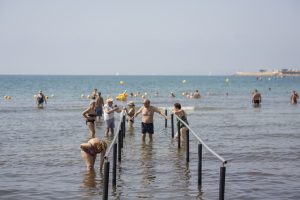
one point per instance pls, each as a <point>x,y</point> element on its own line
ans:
<point>89,179</point>
<point>147,164</point>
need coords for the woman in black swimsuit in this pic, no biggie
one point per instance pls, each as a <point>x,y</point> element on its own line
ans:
<point>90,115</point>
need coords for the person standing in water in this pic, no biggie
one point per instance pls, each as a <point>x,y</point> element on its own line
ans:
<point>99,106</point>
<point>294,97</point>
<point>130,113</point>
<point>256,98</point>
<point>90,115</point>
<point>40,99</point>
<point>147,119</point>
<point>109,119</point>
<point>182,115</point>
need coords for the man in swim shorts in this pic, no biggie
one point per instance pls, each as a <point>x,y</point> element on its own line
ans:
<point>147,119</point>
<point>256,98</point>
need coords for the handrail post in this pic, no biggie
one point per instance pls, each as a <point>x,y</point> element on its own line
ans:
<point>172,125</point>
<point>119,146</point>
<point>188,146</point>
<point>166,121</point>
<point>106,179</point>
<point>114,170</point>
<point>222,183</point>
<point>199,165</point>
<point>121,138</point>
<point>123,125</point>
<point>178,134</point>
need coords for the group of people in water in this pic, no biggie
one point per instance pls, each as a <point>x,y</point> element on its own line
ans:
<point>98,108</point>
<point>96,145</point>
<point>257,98</point>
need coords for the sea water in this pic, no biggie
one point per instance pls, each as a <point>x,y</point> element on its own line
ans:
<point>40,154</point>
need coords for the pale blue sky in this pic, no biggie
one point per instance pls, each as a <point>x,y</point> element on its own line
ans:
<point>189,37</point>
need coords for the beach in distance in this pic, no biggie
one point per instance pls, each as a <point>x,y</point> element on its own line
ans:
<point>40,153</point>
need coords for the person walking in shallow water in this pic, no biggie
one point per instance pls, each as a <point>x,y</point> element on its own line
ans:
<point>90,115</point>
<point>256,98</point>
<point>147,119</point>
<point>294,97</point>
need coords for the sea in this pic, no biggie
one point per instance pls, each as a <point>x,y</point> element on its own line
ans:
<point>40,154</point>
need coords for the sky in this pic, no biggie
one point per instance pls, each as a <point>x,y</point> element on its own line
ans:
<point>148,37</point>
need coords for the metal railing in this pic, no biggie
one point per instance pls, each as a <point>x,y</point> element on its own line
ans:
<point>116,146</point>
<point>200,144</point>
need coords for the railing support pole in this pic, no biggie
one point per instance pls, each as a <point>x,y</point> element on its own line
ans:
<point>106,179</point>
<point>114,170</point>
<point>172,125</point>
<point>199,165</point>
<point>166,121</point>
<point>187,146</point>
<point>178,134</point>
<point>123,125</point>
<point>222,183</point>
<point>121,138</point>
<point>119,146</point>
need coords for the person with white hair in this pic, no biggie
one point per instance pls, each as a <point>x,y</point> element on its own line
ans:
<point>90,115</point>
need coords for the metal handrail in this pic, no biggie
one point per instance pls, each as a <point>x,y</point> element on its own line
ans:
<point>202,142</point>
<point>115,137</point>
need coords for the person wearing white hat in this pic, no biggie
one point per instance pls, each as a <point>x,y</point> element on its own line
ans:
<point>109,119</point>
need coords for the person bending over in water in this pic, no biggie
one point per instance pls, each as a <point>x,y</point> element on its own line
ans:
<point>294,97</point>
<point>90,115</point>
<point>90,150</point>
<point>182,115</point>
<point>256,98</point>
<point>147,118</point>
<point>40,99</point>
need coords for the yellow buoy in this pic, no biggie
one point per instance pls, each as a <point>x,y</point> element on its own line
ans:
<point>122,83</point>
<point>184,81</point>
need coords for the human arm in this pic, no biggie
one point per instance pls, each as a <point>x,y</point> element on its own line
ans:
<point>102,154</point>
<point>85,113</point>
<point>137,113</point>
<point>160,112</point>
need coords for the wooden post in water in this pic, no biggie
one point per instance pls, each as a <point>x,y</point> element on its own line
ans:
<point>199,165</point>
<point>105,181</point>
<point>222,183</point>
